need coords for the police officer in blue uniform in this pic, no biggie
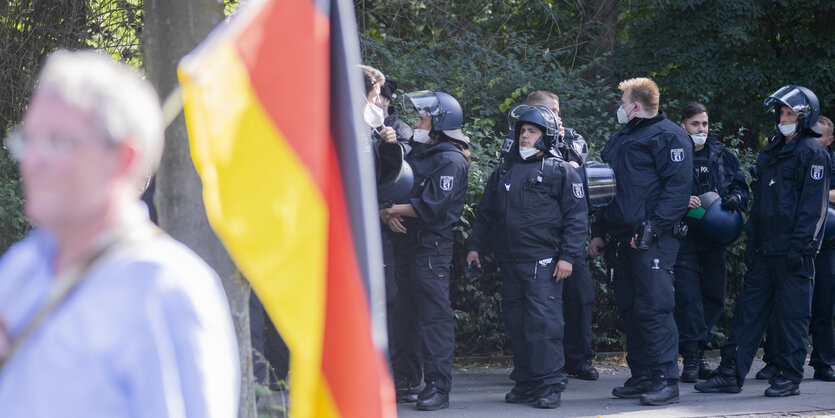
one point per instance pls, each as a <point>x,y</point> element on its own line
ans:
<point>700,277</point>
<point>578,289</point>
<point>823,296</point>
<point>423,247</point>
<point>653,163</point>
<point>533,216</point>
<point>784,232</point>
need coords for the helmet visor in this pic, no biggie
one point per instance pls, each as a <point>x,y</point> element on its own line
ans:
<point>552,121</point>
<point>421,101</point>
<point>515,113</point>
<point>791,97</point>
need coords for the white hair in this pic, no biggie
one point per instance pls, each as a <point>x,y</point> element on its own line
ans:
<point>116,96</point>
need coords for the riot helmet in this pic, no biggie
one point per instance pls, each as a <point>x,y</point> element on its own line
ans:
<point>544,119</point>
<point>799,99</point>
<point>447,116</point>
<point>714,223</point>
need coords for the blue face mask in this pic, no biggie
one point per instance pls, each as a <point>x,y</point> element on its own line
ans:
<point>789,129</point>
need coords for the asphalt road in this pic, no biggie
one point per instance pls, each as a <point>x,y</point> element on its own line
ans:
<point>478,391</point>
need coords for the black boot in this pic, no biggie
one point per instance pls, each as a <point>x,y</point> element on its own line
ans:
<point>720,381</point>
<point>521,393</point>
<point>547,397</point>
<point>824,373</point>
<point>432,398</point>
<point>690,372</point>
<point>767,372</point>
<point>780,387</point>
<point>704,368</point>
<point>405,390</point>
<point>661,392</point>
<point>584,371</point>
<point>634,387</point>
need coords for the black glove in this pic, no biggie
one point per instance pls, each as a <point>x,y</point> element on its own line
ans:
<point>794,261</point>
<point>731,202</point>
<point>473,272</point>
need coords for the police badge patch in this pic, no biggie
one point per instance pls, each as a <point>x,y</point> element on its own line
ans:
<point>577,147</point>
<point>446,182</point>
<point>578,190</point>
<point>677,155</point>
<point>817,172</point>
<point>508,143</point>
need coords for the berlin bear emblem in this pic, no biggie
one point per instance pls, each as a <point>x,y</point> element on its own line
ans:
<point>817,172</point>
<point>446,183</point>
<point>578,190</point>
<point>677,155</point>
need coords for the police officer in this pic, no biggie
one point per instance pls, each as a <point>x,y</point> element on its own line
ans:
<point>578,289</point>
<point>700,277</point>
<point>533,216</point>
<point>823,296</point>
<point>653,163</point>
<point>423,248</point>
<point>784,232</point>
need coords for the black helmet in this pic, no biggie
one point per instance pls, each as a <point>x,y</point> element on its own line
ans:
<point>447,116</point>
<point>714,223</point>
<point>829,228</point>
<point>545,120</point>
<point>799,99</point>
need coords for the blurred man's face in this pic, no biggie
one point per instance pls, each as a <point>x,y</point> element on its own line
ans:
<point>67,166</point>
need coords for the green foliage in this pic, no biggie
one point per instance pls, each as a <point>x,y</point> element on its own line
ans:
<point>730,55</point>
<point>12,223</point>
<point>487,84</point>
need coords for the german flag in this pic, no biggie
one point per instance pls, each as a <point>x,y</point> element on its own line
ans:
<point>271,103</point>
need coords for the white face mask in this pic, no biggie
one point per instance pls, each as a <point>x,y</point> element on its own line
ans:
<point>787,130</point>
<point>623,119</point>
<point>421,135</point>
<point>373,115</point>
<point>526,152</point>
<point>699,139</point>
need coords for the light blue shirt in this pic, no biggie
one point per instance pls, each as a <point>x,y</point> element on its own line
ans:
<point>148,333</point>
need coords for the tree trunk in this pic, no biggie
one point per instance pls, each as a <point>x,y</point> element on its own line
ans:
<point>172,29</point>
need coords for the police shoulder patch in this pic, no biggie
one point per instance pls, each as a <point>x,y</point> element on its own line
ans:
<point>447,182</point>
<point>508,143</point>
<point>816,172</point>
<point>578,146</point>
<point>677,155</point>
<point>577,188</point>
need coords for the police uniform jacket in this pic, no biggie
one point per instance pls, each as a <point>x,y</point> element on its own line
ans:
<point>830,244</point>
<point>653,163</point>
<point>791,185</point>
<point>531,210</point>
<point>438,198</point>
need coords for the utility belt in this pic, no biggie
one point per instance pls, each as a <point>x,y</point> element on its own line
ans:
<point>647,233</point>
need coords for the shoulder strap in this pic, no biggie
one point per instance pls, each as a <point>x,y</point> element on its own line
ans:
<point>65,284</point>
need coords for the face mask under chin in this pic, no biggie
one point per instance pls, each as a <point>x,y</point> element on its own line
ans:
<point>526,152</point>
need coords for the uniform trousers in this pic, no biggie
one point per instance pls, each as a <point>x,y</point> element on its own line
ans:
<point>532,312</point>
<point>423,328</point>
<point>771,292</point>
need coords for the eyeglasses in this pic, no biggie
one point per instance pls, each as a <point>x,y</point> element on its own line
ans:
<point>18,143</point>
